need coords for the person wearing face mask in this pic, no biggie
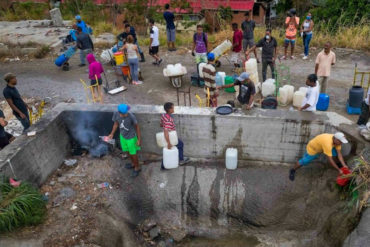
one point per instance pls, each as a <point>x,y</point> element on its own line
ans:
<point>306,32</point>
<point>269,53</point>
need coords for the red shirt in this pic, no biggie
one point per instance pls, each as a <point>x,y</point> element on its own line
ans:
<point>167,122</point>
<point>237,39</point>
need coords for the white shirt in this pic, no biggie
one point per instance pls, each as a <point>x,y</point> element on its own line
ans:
<point>154,34</point>
<point>312,96</point>
<point>367,97</point>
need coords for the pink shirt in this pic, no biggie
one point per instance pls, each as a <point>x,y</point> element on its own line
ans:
<point>324,61</point>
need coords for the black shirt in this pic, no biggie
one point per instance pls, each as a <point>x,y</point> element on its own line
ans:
<point>13,94</point>
<point>245,91</point>
<point>123,36</point>
<point>84,41</point>
<point>268,48</point>
<point>248,28</point>
<point>2,131</point>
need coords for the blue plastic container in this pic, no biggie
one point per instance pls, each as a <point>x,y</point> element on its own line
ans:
<point>353,110</point>
<point>218,79</point>
<point>70,52</point>
<point>60,60</point>
<point>323,103</point>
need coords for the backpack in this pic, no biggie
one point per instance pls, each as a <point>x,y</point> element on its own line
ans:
<point>204,38</point>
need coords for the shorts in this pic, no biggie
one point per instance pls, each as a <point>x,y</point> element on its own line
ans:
<point>287,41</point>
<point>171,35</point>
<point>93,82</point>
<point>248,43</point>
<point>129,145</point>
<point>201,58</point>
<point>307,159</point>
<point>236,57</point>
<point>5,140</point>
<point>154,50</point>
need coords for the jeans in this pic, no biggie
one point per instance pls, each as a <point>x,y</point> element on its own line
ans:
<point>134,68</point>
<point>138,47</point>
<point>306,42</point>
<point>25,122</point>
<point>364,116</point>
<point>83,54</point>
<point>264,69</point>
<point>180,147</point>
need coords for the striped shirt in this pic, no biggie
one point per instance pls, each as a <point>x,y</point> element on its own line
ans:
<point>167,122</point>
<point>209,74</point>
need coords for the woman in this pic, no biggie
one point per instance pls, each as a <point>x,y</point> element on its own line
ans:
<point>132,53</point>
<point>307,27</point>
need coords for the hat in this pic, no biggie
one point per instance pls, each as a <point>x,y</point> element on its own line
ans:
<point>243,76</point>
<point>211,56</point>
<point>340,136</point>
<point>77,17</point>
<point>123,108</point>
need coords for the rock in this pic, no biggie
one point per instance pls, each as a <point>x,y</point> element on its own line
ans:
<point>361,234</point>
<point>3,48</point>
<point>154,232</point>
<point>105,38</point>
<point>148,225</point>
<point>177,234</point>
<point>28,50</point>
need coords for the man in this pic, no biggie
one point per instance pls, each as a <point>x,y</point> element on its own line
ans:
<point>85,44</point>
<point>365,110</point>
<point>5,137</point>
<point>247,90</point>
<point>248,34</point>
<point>12,96</point>
<point>209,74</point>
<point>328,144</point>
<point>130,30</point>
<point>154,43</point>
<point>269,53</point>
<point>130,136</point>
<point>312,96</point>
<point>80,23</point>
<point>291,27</point>
<point>200,45</point>
<point>324,60</point>
<point>170,28</point>
<point>168,124</point>
<point>237,46</point>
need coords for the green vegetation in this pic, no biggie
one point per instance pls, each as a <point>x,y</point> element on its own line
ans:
<point>24,11</point>
<point>42,52</point>
<point>20,206</point>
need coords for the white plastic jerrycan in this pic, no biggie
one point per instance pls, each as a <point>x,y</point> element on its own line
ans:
<point>231,158</point>
<point>170,158</point>
<point>161,141</point>
<point>298,98</point>
<point>283,96</point>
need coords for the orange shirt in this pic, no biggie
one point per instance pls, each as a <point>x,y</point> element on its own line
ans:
<point>291,30</point>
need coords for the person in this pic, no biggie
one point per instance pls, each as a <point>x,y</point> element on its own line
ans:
<point>237,46</point>
<point>291,25</point>
<point>365,109</point>
<point>170,28</point>
<point>209,74</point>
<point>132,59</point>
<point>324,60</point>
<point>312,96</point>
<point>306,28</point>
<point>328,144</point>
<point>200,45</point>
<point>12,96</point>
<point>81,24</point>
<point>130,30</point>
<point>247,90</point>
<point>5,137</point>
<point>85,44</point>
<point>269,53</point>
<point>248,26</point>
<point>168,124</point>
<point>154,43</point>
<point>130,137</point>
<point>95,70</point>
<point>72,35</point>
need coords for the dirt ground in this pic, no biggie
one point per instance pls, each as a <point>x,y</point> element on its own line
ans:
<point>41,78</point>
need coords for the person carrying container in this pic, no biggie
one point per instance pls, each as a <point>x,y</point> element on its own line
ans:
<point>130,135</point>
<point>209,76</point>
<point>95,70</point>
<point>200,45</point>
<point>85,44</point>
<point>168,124</point>
<point>132,59</point>
<point>80,23</point>
<point>329,144</point>
<point>312,95</point>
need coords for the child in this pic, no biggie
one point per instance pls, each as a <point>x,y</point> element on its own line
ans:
<point>95,70</point>
<point>200,45</point>
<point>154,43</point>
<point>237,46</point>
<point>209,75</point>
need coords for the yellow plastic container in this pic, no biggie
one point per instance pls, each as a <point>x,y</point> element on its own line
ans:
<point>118,56</point>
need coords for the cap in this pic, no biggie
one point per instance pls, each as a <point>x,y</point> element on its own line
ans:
<point>123,108</point>
<point>77,17</point>
<point>243,76</point>
<point>211,56</point>
<point>340,136</point>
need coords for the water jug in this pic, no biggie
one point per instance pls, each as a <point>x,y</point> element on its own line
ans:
<point>223,75</point>
<point>290,90</point>
<point>218,79</point>
<point>356,96</point>
<point>231,158</point>
<point>60,60</point>
<point>170,158</point>
<point>200,66</point>
<point>268,88</point>
<point>303,89</point>
<point>298,98</point>
<point>323,102</point>
<point>251,69</point>
<point>161,141</point>
<point>283,96</point>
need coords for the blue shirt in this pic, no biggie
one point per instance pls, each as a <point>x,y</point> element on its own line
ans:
<point>169,17</point>
<point>83,26</point>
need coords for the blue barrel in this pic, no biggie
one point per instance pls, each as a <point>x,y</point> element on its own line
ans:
<point>323,102</point>
<point>356,96</point>
<point>60,60</point>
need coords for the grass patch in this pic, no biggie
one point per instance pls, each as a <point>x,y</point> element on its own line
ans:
<point>25,11</point>
<point>42,52</point>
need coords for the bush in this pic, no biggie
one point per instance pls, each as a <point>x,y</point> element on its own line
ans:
<point>42,51</point>
<point>25,11</point>
<point>20,206</point>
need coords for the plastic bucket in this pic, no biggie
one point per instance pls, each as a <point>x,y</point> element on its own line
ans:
<point>343,181</point>
<point>229,80</point>
<point>118,56</point>
<point>125,70</point>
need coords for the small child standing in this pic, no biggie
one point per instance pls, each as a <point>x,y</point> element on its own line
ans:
<point>95,70</point>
